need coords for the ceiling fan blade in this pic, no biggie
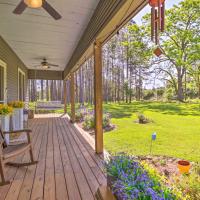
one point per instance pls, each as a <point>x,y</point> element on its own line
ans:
<point>36,66</point>
<point>51,10</point>
<point>52,65</point>
<point>20,8</point>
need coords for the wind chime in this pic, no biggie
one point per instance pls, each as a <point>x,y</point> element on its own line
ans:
<point>157,19</point>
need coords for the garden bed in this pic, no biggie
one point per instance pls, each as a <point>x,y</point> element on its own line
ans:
<point>85,120</point>
<point>151,177</point>
<point>91,131</point>
<point>129,179</point>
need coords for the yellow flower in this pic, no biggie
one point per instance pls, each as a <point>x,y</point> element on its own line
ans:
<point>5,109</point>
<point>16,104</point>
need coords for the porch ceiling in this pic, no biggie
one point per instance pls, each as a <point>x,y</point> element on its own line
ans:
<point>35,35</point>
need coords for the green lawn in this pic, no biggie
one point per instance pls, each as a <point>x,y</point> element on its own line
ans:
<point>177,127</point>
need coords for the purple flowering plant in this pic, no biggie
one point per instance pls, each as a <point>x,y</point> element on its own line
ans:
<point>131,181</point>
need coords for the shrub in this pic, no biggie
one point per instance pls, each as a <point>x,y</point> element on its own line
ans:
<point>106,120</point>
<point>131,181</point>
<point>142,119</point>
<point>149,94</point>
<point>89,121</point>
<point>16,104</point>
<point>79,116</point>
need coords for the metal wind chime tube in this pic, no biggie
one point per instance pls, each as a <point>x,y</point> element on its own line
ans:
<point>157,19</point>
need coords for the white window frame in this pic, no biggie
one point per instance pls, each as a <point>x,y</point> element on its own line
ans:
<point>23,73</point>
<point>4,65</point>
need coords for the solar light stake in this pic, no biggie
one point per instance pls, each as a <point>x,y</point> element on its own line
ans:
<point>153,138</point>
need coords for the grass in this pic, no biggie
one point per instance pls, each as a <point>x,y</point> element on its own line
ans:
<point>177,127</point>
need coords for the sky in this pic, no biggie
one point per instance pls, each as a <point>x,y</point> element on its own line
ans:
<point>147,9</point>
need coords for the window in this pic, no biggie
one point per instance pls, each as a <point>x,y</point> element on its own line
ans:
<point>21,85</point>
<point>3,92</point>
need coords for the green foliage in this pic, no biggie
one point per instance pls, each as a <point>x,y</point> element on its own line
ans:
<point>148,94</point>
<point>89,121</point>
<point>79,116</point>
<point>106,120</point>
<point>127,89</point>
<point>160,92</point>
<point>182,32</point>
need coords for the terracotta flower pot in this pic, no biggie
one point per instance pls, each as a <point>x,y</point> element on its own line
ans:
<point>184,166</point>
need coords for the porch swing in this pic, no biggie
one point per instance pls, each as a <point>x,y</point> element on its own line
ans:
<point>46,105</point>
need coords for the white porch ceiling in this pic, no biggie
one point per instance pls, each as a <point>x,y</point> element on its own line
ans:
<point>34,34</point>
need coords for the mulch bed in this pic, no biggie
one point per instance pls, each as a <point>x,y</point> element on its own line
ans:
<point>166,166</point>
<point>92,132</point>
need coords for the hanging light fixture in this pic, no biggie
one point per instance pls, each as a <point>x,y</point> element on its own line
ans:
<point>157,18</point>
<point>33,3</point>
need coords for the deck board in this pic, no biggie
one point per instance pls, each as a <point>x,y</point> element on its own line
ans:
<point>68,167</point>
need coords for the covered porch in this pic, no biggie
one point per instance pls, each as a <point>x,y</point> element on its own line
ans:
<point>68,166</point>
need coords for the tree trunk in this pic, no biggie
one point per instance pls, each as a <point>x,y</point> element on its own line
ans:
<point>81,86</point>
<point>47,90</point>
<point>198,82</point>
<point>180,95</point>
<point>127,69</point>
<point>42,91</point>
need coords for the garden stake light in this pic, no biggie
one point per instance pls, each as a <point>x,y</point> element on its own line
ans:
<point>153,138</point>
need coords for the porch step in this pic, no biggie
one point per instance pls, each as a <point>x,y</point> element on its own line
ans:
<point>104,193</point>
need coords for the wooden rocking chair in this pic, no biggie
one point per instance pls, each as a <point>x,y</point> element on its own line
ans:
<point>8,152</point>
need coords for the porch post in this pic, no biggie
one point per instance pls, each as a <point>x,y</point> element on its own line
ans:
<point>98,97</point>
<point>65,96</point>
<point>72,98</point>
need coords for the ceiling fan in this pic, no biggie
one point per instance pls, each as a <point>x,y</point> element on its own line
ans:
<point>36,4</point>
<point>46,65</point>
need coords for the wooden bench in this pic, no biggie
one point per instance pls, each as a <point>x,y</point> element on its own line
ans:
<point>104,193</point>
<point>48,105</point>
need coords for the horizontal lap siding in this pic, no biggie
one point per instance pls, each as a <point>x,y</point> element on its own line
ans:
<point>13,62</point>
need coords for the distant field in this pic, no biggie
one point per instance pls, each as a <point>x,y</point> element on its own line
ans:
<point>177,127</point>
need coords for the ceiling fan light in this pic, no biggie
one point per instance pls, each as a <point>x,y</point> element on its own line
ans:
<point>33,3</point>
<point>45,67</point>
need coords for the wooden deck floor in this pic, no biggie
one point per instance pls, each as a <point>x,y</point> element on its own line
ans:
<point>68,167</point>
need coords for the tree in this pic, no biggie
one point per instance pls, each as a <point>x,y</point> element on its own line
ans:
<point>138,58</point>
<point>181,41</point>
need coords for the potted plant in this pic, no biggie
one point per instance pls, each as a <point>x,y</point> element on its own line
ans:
<point>5,112</point>
<point>17,114</point>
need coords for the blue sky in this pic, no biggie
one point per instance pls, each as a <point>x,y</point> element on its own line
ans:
<point>147,9</point>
